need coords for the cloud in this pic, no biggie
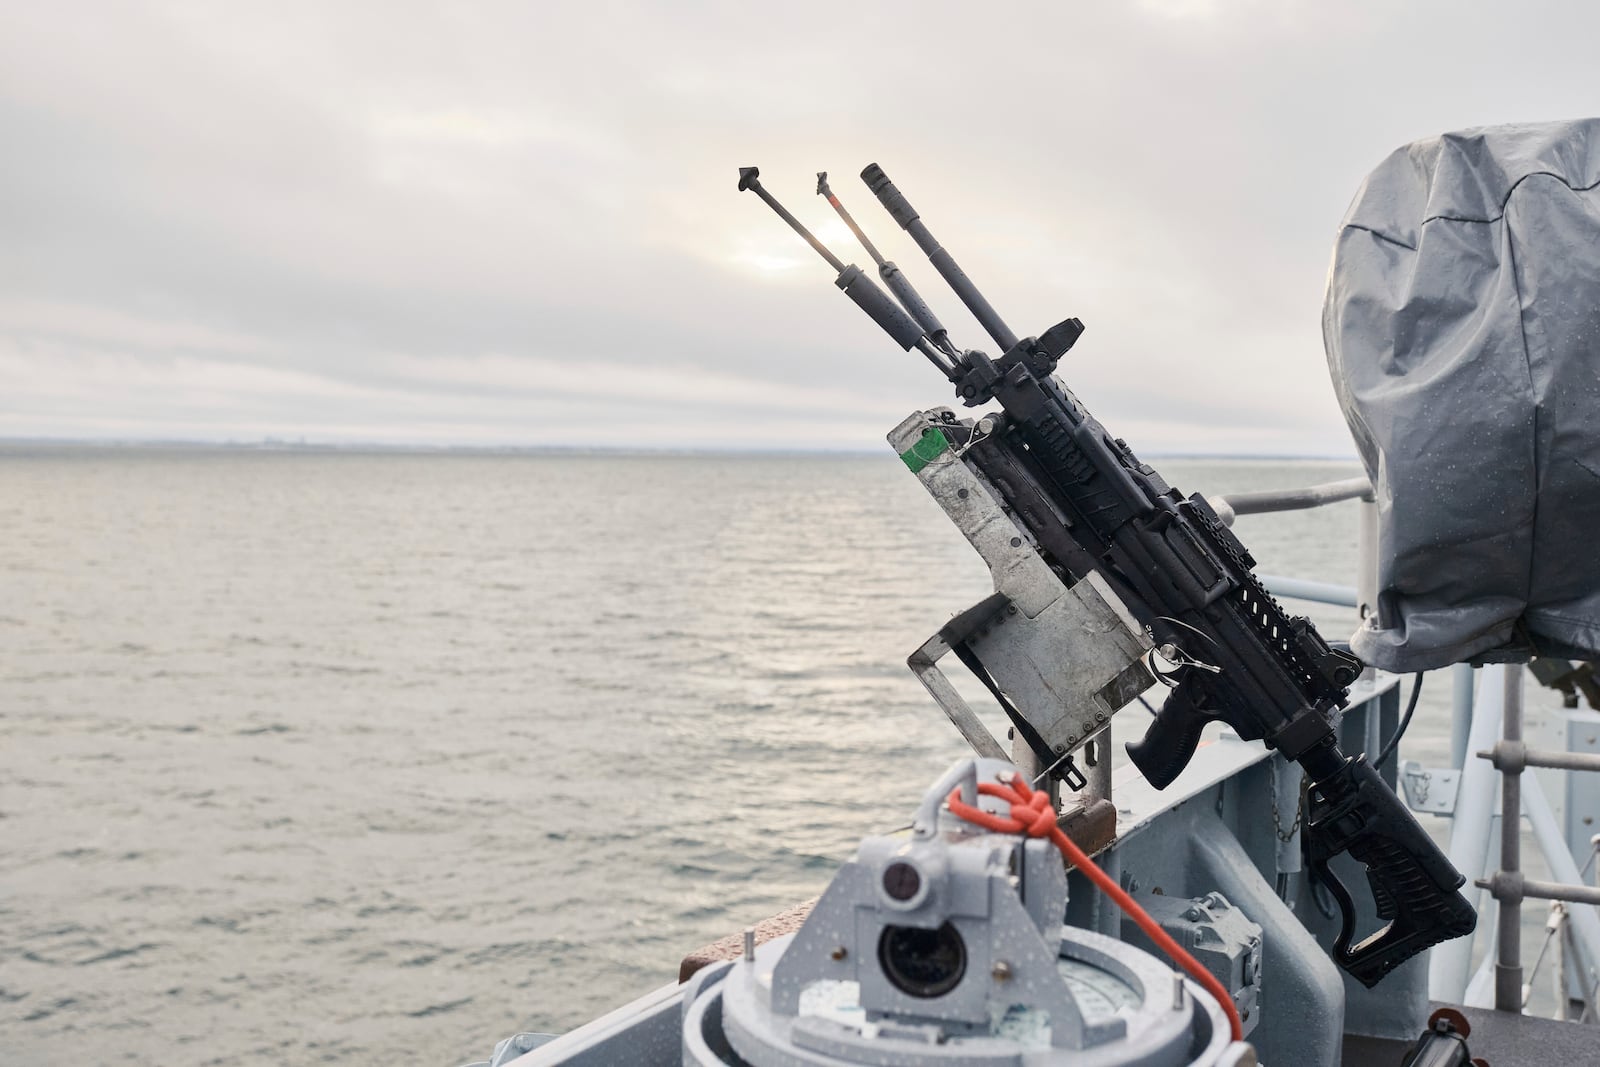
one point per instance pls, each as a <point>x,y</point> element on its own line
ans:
<point>410,223</point>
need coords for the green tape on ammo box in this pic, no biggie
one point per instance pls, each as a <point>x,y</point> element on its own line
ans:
<point>929,446</point>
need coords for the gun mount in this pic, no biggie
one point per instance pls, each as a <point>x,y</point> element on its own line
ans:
<point>1088,509</point>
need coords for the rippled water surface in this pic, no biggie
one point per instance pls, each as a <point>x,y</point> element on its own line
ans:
<point>319,757</point>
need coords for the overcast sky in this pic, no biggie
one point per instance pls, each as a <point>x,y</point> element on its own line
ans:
<point>518,224</point>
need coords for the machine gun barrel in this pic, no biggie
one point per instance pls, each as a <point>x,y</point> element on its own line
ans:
<point>892,275</point>
<point>943,262</point>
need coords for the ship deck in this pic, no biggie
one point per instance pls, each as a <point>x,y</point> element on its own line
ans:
<point>1499,1038</point>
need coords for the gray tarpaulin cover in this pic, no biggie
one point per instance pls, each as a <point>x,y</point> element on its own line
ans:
<point>1462,326</point>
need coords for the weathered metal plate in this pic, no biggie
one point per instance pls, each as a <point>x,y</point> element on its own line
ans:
<point>1429,789</point>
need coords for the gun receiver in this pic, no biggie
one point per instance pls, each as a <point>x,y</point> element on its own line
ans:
<point>1093,507</point>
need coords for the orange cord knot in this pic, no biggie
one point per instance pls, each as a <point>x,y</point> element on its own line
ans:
<point>1031,811</point>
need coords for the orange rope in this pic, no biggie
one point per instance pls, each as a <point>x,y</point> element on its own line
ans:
<point>1032,814</point>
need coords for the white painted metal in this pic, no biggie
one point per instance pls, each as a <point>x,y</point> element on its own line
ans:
<point>1462,679</point>
<point>1343,596</point>
<point>1450,964</point>
<point>1508,936</point>
<point>1367,560</point>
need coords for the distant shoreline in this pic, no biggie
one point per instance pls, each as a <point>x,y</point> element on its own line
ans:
<point>270,446</point>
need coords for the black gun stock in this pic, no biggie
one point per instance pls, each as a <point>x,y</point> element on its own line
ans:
<point>1413,885</point>
<point>1091,504</point>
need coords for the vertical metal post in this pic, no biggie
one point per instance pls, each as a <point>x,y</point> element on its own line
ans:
<point>1372,719</point>
<point>1286,815</point>
<point>1462,677</point>
<point>1107,917</point>
<point>1508,958</point>
<point>1367,564</point>
<point>1030,768</point>
<point>1563,966</point>
<point>1450,964</point>
<point>1022,755</point>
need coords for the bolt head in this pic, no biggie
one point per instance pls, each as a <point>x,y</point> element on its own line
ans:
<point>1001,972</point>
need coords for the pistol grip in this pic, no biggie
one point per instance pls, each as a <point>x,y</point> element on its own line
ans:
<point>1169,743</point>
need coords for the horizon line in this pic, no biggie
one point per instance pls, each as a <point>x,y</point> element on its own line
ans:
<point>277,444</point>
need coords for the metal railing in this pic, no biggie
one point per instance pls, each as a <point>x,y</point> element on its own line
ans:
<point>1508,885</point>
<point>1475,722</point>
<point>1269,500</point>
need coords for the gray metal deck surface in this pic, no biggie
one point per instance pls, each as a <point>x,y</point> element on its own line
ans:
<point>1500,1039</point>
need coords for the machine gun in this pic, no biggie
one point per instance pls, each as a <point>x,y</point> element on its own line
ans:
<point>1099,517</point>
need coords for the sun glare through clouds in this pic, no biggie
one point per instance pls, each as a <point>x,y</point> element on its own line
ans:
<point>775,249</point>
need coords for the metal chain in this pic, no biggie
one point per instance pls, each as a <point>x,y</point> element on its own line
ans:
<point>1299,816</point>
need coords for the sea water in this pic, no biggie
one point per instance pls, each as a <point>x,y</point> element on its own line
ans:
<point>324,757</point>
